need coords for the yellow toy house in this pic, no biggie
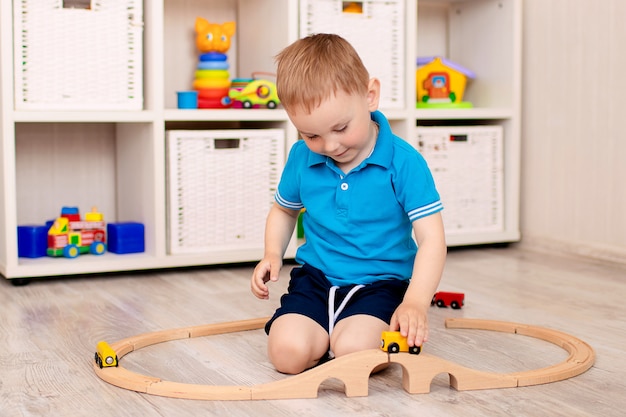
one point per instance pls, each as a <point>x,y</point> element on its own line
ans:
<point>441,83</point>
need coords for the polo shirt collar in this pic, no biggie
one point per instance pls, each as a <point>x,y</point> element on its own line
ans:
<point>383,150</point>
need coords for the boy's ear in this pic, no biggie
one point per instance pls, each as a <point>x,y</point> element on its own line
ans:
<point>373,94</point>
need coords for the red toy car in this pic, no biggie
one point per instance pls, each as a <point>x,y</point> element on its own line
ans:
<point>445,299</point>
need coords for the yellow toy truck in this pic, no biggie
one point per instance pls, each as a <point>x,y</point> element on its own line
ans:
<point>105,355</point>
<point>394,342</point>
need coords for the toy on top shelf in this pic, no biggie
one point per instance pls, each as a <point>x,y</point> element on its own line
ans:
<point>70,236</point>
<point>441,83</point>
<point>253,93</point>
<point>352,7</point>
<point>212,79</point>
<point>394,342</point>
<point>105,356</point>
<point>444,299</point>
<point>187,99</point>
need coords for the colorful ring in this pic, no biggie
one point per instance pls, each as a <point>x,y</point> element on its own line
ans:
<point>212,73</point>
<point>213,56</point>
<point>209,65</point>
<point>204,83</point>
<point>213,103</point>
<point>212,93</point>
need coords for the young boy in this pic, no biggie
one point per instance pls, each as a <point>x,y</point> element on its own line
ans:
<point>364,190</point>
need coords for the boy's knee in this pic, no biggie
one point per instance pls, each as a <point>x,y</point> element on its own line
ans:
<point>290,357</point>
<point>347,342</point>
<point>357,333</point>
<point>345,346</point>
<point>296,343</point>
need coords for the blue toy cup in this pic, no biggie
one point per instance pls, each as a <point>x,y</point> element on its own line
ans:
<point>187,99</point>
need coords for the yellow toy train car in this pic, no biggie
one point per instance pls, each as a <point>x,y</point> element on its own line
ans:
<point>105,355</point>
<point>394,342</point>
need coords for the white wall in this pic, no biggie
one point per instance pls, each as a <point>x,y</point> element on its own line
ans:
<point>574,127</point>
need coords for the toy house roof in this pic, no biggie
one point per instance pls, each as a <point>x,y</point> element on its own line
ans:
<point>425,60</point>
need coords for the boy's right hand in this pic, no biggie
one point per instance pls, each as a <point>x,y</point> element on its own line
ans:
<point>266,270</point>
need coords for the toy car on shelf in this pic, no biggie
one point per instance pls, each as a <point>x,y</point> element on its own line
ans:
<point>70,236</point>
<point>105,356</point>
<point>249,93</point>
<point>444,299</point>
<point>394,342</point>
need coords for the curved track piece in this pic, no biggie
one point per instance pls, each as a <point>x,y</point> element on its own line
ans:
<point>419,371</point>
<point>354,369</point>
<point>581,355</point>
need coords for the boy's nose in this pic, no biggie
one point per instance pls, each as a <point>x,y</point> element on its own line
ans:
<point>330,146</point>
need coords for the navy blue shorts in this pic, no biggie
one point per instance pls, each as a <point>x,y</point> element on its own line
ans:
<point>308,295</point>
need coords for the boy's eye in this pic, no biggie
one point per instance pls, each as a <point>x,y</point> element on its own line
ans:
<point>341,129</point>
<point>312,137</point>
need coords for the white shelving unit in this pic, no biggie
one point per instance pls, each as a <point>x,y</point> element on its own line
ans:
<point>116,160</point>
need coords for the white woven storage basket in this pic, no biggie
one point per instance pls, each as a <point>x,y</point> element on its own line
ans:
<point>78,54</point>
<point>468,168</point>
<point>221,185</point>
<point>377,34</point>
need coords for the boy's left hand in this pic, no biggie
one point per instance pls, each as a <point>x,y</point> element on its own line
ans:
<point>412,321</point>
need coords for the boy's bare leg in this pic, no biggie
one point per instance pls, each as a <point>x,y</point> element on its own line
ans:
<point>296,343</point>
<point>356,333</point>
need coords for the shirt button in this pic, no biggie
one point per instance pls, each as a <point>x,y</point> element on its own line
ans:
<point>344,186</point>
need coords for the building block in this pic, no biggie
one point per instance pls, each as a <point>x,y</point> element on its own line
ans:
<point>126,237</point>
<point>70,236</point>
<point>70,212</point>
<point>32,241</point>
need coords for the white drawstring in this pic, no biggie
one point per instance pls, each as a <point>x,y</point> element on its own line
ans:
<point>332,313</point>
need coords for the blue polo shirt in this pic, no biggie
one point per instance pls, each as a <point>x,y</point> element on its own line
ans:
<point>358,225</point>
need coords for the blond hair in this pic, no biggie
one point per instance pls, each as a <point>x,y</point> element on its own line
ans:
<point>311,69</point>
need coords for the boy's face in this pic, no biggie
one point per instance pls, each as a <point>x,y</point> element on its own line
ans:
<point>341,127</point>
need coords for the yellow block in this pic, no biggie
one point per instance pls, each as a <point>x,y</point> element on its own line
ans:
<point>94,215</point>
<point>59,226</point>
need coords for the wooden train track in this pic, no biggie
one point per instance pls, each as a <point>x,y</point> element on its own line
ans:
<point>353,370</point>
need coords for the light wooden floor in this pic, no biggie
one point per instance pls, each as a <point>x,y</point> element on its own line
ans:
<point>48,332</point>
